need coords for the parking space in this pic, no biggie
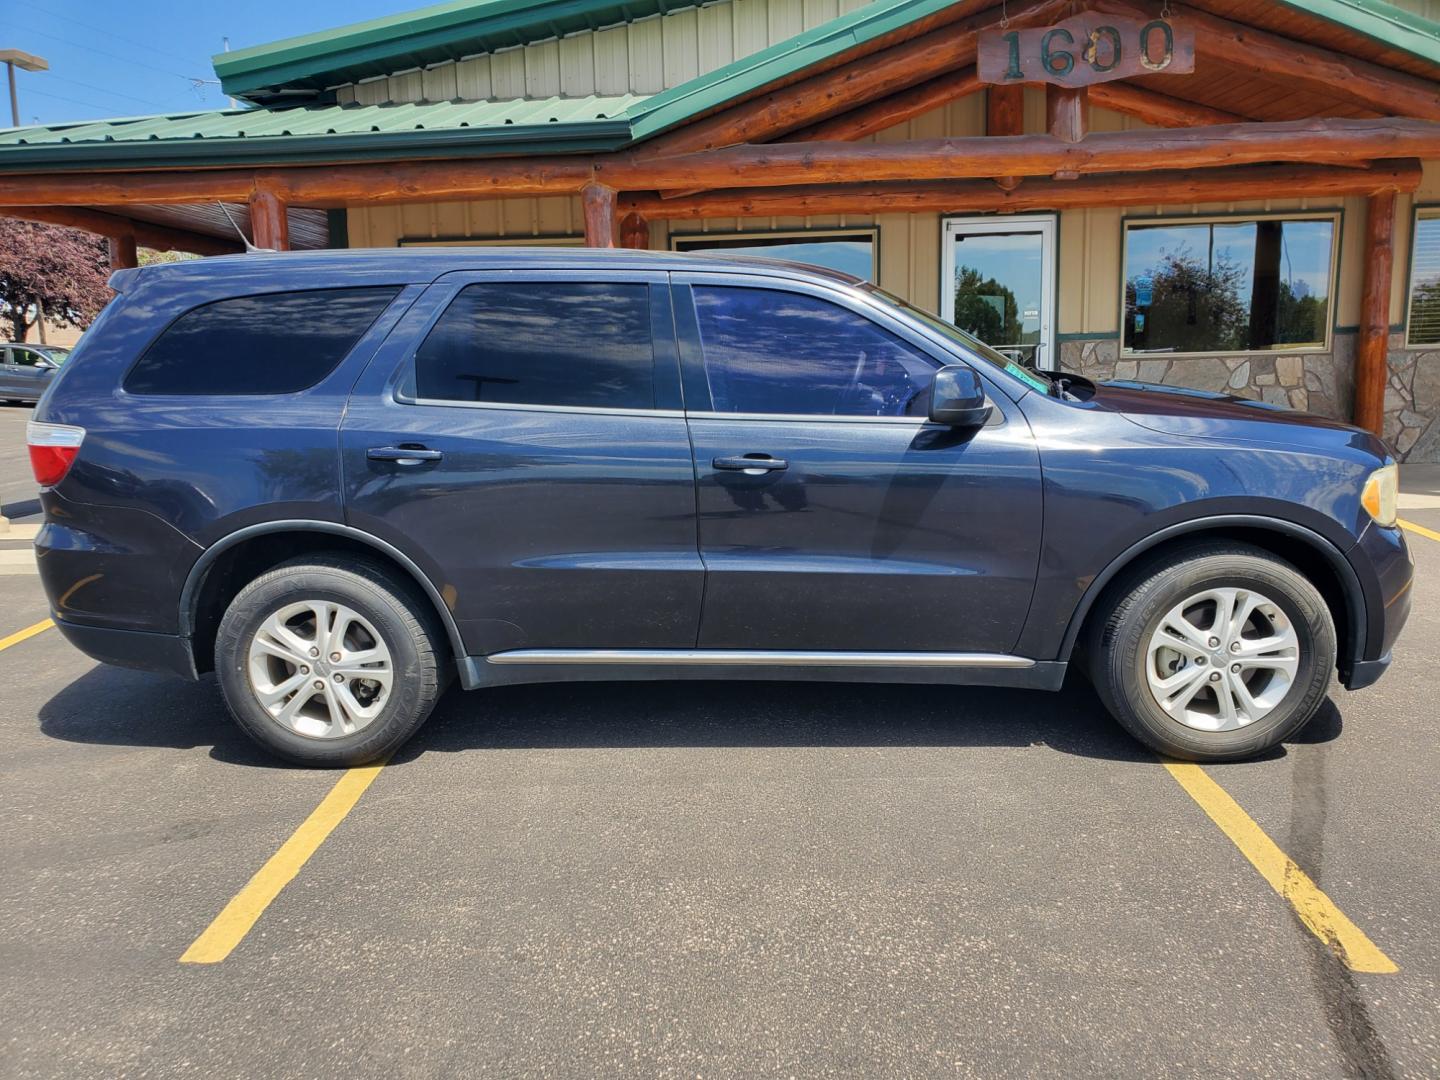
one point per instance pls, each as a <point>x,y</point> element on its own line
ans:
<point>709,880</point>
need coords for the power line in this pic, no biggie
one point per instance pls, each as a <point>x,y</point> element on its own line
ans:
<point>73,101</point>
<point>102,52</point>
<point>108,33</point>
<point>104,90</point>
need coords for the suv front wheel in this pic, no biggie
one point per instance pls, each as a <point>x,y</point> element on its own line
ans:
<point>328,661</point>
<point>1217,654</point>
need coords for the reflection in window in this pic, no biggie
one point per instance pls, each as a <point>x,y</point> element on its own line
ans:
<point>768,351</point>
<point>1228,286</point>
<point>542,343</point>
<point>1425,280</point>
<point>851,253</point>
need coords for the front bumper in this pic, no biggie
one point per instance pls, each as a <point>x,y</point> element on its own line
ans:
<point>1386,569</point>
<point>168,654</point>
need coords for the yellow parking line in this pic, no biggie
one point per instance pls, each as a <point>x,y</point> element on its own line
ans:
<point>26,634</point>
<point>1316,910</point>
<point>232,924</point>
<point>1410,526</point>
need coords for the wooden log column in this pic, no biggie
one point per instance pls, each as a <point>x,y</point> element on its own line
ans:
<point>599,204</point>
<point>1005,115</point>
<point>1371,369</point>
<point>1065,112</point>
<point>635,232</point>
<point>123,255</point>
<point>269,224</point>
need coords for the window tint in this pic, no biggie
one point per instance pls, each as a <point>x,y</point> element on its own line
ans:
<point>585,344</point>
<point>849,252</point>
<point>768,351</point>
<point>277,343</point>
<point>24,357</point>
<point>1227,286</point>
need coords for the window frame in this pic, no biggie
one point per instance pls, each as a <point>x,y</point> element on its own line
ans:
<point>692,357</point>
<point>567,240</point>
<point>447,288</point>
<point>1431,211</point>
<point>819,234</point>
<point>1336,216</point>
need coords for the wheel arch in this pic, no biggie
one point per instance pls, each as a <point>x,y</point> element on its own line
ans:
<point>204,586</point>
<point>1312,553</point>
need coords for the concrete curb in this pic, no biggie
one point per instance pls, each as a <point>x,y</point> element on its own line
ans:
<point>4,525</point>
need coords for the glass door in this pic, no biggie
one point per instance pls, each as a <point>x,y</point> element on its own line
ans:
<point>998,282</point>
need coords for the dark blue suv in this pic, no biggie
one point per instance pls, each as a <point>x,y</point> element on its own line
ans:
<point>337,479</point>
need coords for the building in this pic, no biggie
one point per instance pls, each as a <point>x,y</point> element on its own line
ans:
<point>1226,195</point>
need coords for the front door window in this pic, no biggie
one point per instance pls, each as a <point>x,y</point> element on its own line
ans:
<point>999,284</point>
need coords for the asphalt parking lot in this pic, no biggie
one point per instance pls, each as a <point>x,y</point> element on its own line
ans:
<point>710,880</point>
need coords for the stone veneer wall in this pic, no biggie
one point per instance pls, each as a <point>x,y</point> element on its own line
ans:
<point>1322,383</point>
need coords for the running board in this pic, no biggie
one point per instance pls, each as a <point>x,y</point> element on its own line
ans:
<point>759,657</point>
<point>608,665</point>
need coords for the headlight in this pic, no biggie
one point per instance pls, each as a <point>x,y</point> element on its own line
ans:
<point>1381,495</point>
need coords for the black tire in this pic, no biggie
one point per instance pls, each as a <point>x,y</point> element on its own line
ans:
<point>1119,635</point>
<point>402,619</point>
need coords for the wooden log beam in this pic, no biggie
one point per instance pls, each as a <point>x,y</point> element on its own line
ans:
<point>893,110</point>
<point>1299,65</point>
<point>1372,343</point>
<point>848,86</point>
<point>1155,108</point>
<point>269,222</point>
<point>773,165</point>
<point>155,237</point>
<point>598,202</point>
<point>123,255</point>
<point>1065,112</point>
<point>977,196</point>
<point>784,164</point>
<point>635,232</point>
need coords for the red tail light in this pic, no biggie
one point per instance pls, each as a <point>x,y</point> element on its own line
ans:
<point>53,448</point>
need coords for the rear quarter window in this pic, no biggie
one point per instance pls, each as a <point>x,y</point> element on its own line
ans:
<point>275,343</point>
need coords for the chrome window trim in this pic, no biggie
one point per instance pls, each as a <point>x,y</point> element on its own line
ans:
<point>813,418</point>
<point>500,406</point>
<point>759,657</point>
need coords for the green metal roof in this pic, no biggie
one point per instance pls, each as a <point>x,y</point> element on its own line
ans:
<point>326,133</point>
<point>415,39</point>
<point>454,128</point>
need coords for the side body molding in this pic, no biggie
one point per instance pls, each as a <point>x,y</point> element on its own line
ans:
<point>1355,606</point>
<point>190,594</point>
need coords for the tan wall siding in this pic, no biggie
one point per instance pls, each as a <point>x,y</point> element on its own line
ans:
<point>643,57</point>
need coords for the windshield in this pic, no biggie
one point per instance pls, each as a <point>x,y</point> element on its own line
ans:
<point>1033,379</point>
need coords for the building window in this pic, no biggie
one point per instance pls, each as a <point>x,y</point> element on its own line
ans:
<point>1424,315</point>
<point>851,251</point>
<point>1229,285</point>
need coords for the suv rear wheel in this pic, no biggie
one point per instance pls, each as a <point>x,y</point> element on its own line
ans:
<point>329,661</point>
<point>1216,655</point>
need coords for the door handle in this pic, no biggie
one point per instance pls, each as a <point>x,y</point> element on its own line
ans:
<point>403,455</point>
<point>751,464</point>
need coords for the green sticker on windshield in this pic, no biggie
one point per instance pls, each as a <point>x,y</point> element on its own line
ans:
<point>1029,378</point>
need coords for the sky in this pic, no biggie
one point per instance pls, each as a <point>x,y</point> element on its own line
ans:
<point>142,57</point>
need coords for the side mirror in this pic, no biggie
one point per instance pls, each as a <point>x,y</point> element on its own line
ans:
<point>957,398</point>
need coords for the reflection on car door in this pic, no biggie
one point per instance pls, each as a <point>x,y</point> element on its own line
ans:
<point>531,455</point>
<point>832,515</point>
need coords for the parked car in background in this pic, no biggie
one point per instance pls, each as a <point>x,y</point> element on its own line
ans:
<point>25,370</point>
<point>340,479</point>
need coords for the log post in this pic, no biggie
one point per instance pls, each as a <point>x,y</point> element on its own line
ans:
<point>1005,115</point>
<point>635,232</point>
<point>1065,112</point>
<point>123,255</point>
<point>269,224</point>
<point>599,203</point>
<point>1371,368</point>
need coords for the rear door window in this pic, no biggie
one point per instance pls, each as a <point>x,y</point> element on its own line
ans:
<point>276,343</point>
<point>769,351</point>
<point>577,344</point>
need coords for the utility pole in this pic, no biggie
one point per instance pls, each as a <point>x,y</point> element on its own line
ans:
<point>12,59</point>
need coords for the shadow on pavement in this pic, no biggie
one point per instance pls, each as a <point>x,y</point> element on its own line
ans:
<point>113,706</point>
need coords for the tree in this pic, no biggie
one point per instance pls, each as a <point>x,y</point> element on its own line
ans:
<point>63,269</point>
<point>1193,306</point>
<point>986,308</point>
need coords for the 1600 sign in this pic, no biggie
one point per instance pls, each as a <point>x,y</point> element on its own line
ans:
<point>1085,49</point>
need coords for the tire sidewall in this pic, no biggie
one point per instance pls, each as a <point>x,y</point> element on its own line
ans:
<point>258,601</point>
<point>1289,591</point>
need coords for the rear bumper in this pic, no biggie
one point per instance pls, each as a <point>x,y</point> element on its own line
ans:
<point>168,654</point>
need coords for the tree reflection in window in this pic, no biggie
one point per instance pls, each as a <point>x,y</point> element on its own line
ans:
<point>1233,286</point>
